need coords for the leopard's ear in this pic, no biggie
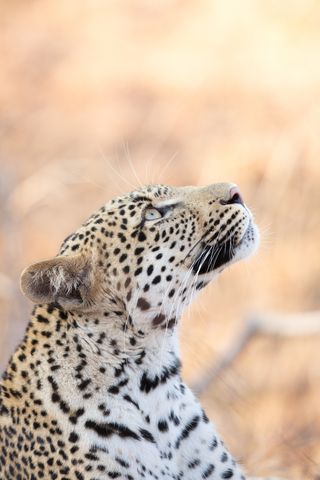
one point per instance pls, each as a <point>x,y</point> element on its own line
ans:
<point>67,280</point>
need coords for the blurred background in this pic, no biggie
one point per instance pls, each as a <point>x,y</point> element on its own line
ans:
<point>98,97</point>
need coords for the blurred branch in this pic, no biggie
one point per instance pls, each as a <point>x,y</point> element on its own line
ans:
<point>265,478</point>
<point>277,325</point>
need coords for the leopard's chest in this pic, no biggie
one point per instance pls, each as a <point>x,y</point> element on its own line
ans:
<point>146,436</point>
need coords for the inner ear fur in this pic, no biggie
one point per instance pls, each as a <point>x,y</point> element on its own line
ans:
<point>68,280</point>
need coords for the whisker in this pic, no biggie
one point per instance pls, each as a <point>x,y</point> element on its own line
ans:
<point>104,158</point>
<point>166,166</point>
<point>129,159</point>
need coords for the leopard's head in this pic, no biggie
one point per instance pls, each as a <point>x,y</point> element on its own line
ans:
<point>145,254</point>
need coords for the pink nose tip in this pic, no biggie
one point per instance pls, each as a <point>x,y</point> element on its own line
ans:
<point>235,196</point>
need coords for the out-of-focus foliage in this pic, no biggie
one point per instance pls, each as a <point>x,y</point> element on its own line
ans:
<point>98,96</point>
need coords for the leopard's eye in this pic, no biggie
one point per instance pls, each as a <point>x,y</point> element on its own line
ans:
<point>152,214</point>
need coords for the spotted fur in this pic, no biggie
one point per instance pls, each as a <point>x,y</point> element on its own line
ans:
<point>94,390</point>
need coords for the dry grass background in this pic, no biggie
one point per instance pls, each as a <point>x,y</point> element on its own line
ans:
<point>97,96</point>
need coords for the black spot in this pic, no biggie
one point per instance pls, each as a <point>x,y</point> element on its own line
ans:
<point>224,457</point>
<point>163,426</point>
<point>122,462</point>
<point>147,435</point>
<point>42,319</point>
<point>147,384</point>
<point>114,389</point>
<point>114,474</point>
<point>73,437</point>
<point>74,417</point>
<point>83,385</point>
<point>194,463</point>
<point>141,236</point>
<point>204,417</point>
<point>208,471</point>
<point>143,304</point>
<point>227,473</point>
<point>192,425</point>
<point>213,444</point>
<point>158,319</point>
<point>112,428</point>
<point>127,398</point>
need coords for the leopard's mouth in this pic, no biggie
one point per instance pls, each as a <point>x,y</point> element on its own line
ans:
<point>211,257</point>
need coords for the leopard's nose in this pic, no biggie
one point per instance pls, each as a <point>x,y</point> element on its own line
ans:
<point>234,197</point>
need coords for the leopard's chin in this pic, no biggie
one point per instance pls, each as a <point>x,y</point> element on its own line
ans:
<point>214,258</point>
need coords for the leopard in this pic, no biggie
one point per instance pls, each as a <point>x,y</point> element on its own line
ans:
<point>94,390</point>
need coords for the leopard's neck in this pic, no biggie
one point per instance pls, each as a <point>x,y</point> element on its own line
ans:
<point>74,359</point>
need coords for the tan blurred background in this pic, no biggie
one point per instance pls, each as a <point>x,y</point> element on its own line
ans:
<point>97,96</point>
